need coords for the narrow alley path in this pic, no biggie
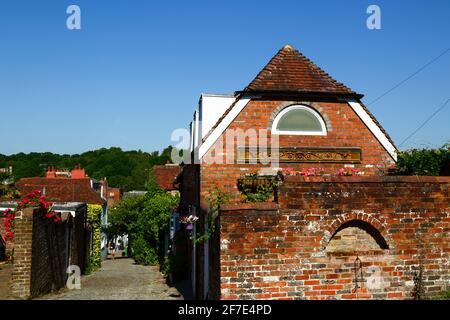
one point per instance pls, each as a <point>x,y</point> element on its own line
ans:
<point>121,279</point>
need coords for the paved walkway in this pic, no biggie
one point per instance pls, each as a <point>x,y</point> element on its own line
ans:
<point>121,279</point>
<point>5,278</point>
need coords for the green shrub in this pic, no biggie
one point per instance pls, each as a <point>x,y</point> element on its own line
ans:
<point>425,162</point>
<point>145,220</point>
<point>94,212</point>
<point>143,253</point>
<point>175,265</point>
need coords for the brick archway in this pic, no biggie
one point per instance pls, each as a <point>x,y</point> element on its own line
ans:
<point>365,221</point>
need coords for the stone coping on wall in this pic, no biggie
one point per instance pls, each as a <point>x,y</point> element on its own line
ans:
<point>368,179</point>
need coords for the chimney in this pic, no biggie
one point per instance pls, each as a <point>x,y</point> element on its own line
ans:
<point>50,173</point>
<point>78,173</point>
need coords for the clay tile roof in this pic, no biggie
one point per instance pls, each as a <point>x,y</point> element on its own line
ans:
<point>166,175</point>
<point>291,71</point>
<point>62,190</point>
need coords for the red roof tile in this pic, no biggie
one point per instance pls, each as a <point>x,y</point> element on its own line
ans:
<point>166,175</point>
<point>62,190</point>
<point>291,71</point>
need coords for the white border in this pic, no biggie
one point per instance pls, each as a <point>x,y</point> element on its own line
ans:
<point>381,137</point>
<point>323,132</point>
<point>223,125</point>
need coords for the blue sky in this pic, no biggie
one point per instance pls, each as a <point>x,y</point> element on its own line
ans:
<point>135,70</point>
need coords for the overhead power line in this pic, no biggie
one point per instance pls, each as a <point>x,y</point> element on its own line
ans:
<point>425,122</point>
<point>410,76</point>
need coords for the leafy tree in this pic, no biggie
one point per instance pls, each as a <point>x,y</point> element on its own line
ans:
<point>123,169</point>
<point>427,162</point>
<point>145,219</point>
<point>123,217</point>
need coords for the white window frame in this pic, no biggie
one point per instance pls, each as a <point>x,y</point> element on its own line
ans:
<point>323,132</point>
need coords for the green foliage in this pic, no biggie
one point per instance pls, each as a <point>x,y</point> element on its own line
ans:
<point>94,212</point>
<point>174,264</point>
<point>145,219</point>
<point>143,253</point>
<point>215,199</point>
<point>123,169</point>
<point>123,216</point>
<point>256,188</point>
<point>424,162</point>
<point>151,185</point>
<point>7,190</point>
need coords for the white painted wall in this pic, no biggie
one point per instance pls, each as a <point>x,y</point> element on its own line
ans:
<point>197,139</point>
<point>223,125</point>
<point>211,108</point>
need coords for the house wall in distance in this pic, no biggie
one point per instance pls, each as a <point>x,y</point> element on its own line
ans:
<point>306,247</point>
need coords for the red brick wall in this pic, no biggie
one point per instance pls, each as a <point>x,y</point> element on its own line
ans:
<point>345,129</point>
<point>49,256</point>
<point>41,257</point>
<point>305,247</point>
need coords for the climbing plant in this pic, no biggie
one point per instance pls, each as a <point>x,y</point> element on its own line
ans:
<point>215,199</point>
<point>94,212</point>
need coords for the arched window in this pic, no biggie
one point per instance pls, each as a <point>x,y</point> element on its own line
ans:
<point>299,120</point>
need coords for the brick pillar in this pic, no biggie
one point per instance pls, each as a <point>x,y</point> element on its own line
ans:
<point>23,236</point>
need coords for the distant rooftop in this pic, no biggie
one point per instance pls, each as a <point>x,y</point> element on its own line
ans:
<point>69,206</point>
<point>57,206</point>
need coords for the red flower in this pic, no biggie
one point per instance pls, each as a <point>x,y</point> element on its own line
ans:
<point>48,216</point>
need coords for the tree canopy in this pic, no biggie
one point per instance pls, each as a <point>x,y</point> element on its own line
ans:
<point>127,170</point>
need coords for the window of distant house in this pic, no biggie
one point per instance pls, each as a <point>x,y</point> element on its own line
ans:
<point>299,120</point>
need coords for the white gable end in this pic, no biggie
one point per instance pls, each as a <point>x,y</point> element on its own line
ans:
<point>211,108</point>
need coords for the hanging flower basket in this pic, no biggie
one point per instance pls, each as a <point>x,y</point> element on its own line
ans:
<point>189,221</point>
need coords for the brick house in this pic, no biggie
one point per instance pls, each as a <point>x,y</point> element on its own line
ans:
<point>313,121</point>
<point>166,175</point>
<point>71,186</point>
<point>113,195</point>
